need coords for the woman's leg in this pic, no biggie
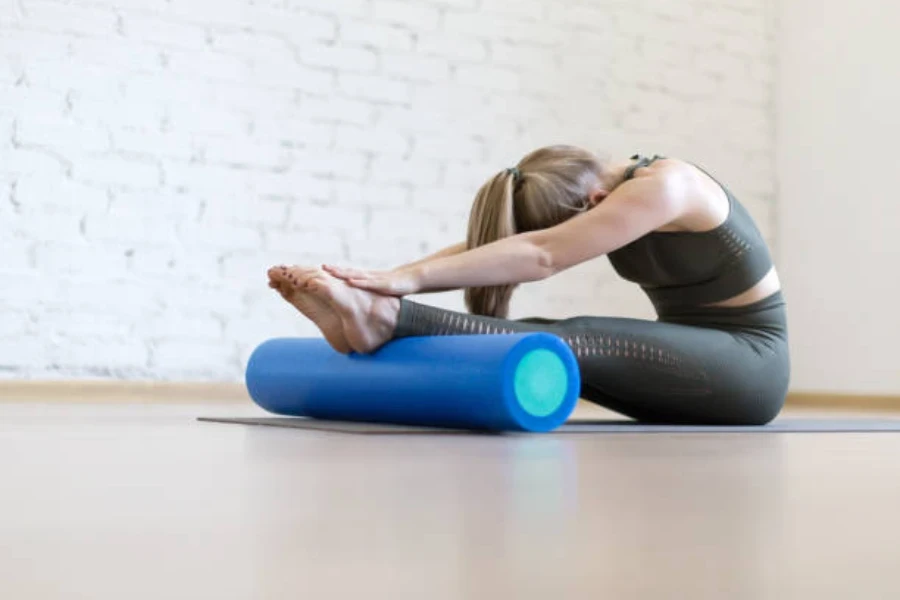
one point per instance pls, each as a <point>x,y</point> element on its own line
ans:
<point>651,371</point>
<point>648,370</point>
<point>538,321</point>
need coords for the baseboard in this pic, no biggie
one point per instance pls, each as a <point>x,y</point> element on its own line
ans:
<point>174,392</point>
<point>121,391</point>
<point>824,400</point>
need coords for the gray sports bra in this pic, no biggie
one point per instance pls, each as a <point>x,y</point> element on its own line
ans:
<point>688,269</point>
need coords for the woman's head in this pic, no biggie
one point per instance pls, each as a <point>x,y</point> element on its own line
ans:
<point>547,187</point>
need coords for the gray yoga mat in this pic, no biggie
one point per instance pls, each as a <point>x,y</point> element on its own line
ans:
<point>785,425</point>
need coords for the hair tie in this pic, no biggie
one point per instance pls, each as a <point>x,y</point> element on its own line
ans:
<point>516,173</point>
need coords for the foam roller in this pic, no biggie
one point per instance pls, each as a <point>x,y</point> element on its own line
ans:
<point>522,382</point>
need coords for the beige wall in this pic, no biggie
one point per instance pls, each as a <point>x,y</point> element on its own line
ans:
<point>838,158</point>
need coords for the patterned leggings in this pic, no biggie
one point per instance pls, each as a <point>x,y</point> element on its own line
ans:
<point>723,366</point>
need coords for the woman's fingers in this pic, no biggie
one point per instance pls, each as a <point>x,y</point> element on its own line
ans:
<point>338,272</point>
<point>342,272</point>
<point>347,273</point>
<point>366,284</point>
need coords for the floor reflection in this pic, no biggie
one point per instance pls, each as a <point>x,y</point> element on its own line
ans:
<point>518,514</point>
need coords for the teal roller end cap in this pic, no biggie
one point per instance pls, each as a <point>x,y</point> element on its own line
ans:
<point>540,382</point>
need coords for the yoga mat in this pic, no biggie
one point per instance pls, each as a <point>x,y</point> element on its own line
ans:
<point>785,425</point>
<point>522,382</point>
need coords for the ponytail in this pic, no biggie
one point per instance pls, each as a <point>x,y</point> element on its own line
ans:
<point>550,185</point>
<point>492,218</point>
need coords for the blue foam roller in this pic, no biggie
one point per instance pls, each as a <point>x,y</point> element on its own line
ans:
<point>522,382</point>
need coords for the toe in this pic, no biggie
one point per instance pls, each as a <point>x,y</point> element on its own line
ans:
<point>276,273</point>
<point>299,276</point>
<point>290,278</point>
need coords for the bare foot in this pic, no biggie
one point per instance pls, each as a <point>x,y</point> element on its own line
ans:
<point>291,283</point>
<point>369,319</point>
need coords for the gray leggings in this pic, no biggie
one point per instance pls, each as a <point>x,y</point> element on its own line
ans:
<point>722,366</point>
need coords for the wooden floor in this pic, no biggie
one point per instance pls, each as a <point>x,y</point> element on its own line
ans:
<point>140,501</point>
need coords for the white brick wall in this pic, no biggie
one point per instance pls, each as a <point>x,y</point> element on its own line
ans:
<point>156,157</point>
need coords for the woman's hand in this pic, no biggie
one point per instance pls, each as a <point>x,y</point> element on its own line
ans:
<point>399,282</point>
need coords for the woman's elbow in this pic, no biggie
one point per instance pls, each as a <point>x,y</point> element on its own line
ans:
<point>545,260</point>
<point>547,265</point>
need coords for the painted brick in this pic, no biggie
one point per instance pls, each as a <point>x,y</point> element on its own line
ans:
<point>145,27</point>
<point>418,16</point>
<point>341,8</point>
<point>376,36</point>
<point>373,88</point>
<point>352,60</point>
<point>372,139</point>
<point>156,157</point>
<point>451,47</point>
<point>113,170</point>
<point>415,67</point>
<point>65,18</point>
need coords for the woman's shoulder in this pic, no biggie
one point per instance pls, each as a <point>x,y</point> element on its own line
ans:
<point>671,174</point>
<point>677,172</point>
<point>659,166</point>
<point>698,201</point>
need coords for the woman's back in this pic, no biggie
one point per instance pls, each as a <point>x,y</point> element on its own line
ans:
<point>714,256</point>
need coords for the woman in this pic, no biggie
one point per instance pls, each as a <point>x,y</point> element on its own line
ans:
<point>718,353</point>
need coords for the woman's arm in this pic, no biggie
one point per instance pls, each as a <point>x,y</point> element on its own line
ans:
<point>448,251</point>
<point>633,210</point>
<point>397,273</point>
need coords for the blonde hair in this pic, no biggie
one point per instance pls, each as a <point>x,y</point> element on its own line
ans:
<point>547,187</point>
